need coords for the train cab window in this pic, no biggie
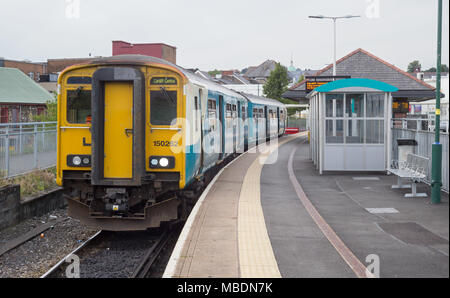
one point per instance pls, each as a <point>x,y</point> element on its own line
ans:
<point>163,107</point>
<point>255,113</point>
<point>78,105</point>
<point>234,107</point>
<point>243,115</point>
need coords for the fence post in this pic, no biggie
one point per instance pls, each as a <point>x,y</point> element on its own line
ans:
<point>20,138</point>
<point>35,146</point>
<point>7,152</point>
<point>43,137</point>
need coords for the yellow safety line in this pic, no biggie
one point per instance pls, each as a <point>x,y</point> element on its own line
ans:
<point>256,257</point>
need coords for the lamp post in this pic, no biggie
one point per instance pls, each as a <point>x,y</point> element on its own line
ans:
<point>436,151</point>
<point>334,33</point>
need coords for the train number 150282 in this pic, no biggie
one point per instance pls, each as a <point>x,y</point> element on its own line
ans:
<point>165,143</point>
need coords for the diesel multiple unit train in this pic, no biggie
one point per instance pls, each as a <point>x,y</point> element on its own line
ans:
<point>137,135</point>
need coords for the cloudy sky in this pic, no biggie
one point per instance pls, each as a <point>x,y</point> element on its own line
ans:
<point>230,34</point>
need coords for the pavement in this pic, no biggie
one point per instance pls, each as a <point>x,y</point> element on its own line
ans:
<point>283,219</point>
<point>410,243</point>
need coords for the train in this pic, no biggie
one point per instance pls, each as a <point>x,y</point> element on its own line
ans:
<point>138,136</point>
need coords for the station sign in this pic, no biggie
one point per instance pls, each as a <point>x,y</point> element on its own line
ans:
<point>163,81</point>
<point>312,85</point>
<point>313,82</point>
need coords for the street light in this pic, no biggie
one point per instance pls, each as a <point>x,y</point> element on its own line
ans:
<point>334,35</point>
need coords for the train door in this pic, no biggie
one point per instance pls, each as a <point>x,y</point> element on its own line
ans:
<point>266,115</point>
<point>222,122</point>
<point>200,119</point>
<point>278,121</point>
<point>118,128</point>
<point>235,129</point>
<point>256,121</point>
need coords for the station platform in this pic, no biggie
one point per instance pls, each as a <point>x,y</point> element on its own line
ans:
<point>270,214</point>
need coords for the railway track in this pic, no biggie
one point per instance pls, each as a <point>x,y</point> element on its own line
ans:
<point>121,254</point>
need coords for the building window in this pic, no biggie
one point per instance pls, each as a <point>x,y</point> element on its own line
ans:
<point>362,122</point>
<point>78,105</point>
<point>375,105</point>
<point>354,105</point>
<point>355,131</point>
<point>163,107</point>
<point>374,131</point>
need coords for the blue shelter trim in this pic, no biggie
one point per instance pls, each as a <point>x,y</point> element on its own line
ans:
<point>357,82</point>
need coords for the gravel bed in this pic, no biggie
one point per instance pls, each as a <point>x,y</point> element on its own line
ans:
<point>34,257</point>
<point>117,256</point>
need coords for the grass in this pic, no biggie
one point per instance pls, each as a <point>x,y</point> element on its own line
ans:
<point>34,182</point>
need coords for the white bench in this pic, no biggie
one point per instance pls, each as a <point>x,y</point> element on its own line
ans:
<point>415,168</point>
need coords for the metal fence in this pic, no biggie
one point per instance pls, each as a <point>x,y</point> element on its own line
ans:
<point>425,138</point>
<point>26,146</point>
<point>299,123</point>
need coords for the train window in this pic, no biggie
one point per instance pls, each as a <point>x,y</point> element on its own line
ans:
<point>163,107</point>
<point>212,114</point>
<point>234,111</point>
<point>196,112</point>
<point>261,113</point>
<point>79,80</point>
<point>228,111</point>
<point>78,105</point>
<point>243,115</point>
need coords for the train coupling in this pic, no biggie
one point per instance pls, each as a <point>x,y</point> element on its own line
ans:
<point>116,200</point>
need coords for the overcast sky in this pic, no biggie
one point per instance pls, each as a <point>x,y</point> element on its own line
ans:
<point>225,34</point>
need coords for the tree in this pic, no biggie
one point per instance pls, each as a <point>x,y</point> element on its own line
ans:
<point>444,68</point>
<point>413,66</point>
<point>300,79</point>
<point>214,72</point>
<point>277,82</point>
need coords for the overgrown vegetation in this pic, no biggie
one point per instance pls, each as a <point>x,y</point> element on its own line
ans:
<point>50,114</point>
<point>33,183</point>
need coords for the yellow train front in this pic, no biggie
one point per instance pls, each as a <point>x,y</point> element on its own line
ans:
<point>118,143</point>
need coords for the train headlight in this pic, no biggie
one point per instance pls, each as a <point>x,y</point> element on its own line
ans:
<point>79,160</point>
<point>76,160</point>
<point>163,162</point>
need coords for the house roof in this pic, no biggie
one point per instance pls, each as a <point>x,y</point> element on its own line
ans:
<point>16,87</point>
<point>362,64</point>
<point>262,70</point>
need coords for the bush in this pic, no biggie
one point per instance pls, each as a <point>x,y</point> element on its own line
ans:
<point>33,183</point>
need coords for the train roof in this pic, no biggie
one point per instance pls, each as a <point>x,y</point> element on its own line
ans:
<point>192,77</point>
<point>262,100</point>
<point>146,60</point>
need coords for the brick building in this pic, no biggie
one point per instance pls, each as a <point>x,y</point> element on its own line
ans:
<point>32,69</point>
<point>159,50</point>
<point>58,65</point>
<point>20,97</point>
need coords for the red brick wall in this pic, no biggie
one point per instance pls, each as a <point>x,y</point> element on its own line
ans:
<point>57,65</point>
<point>158,50</point>
<point>26,67</point>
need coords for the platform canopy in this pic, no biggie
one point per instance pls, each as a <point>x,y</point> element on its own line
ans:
<point>356,85</point>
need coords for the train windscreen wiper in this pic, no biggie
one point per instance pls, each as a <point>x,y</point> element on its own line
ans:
<point>168,97</point>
